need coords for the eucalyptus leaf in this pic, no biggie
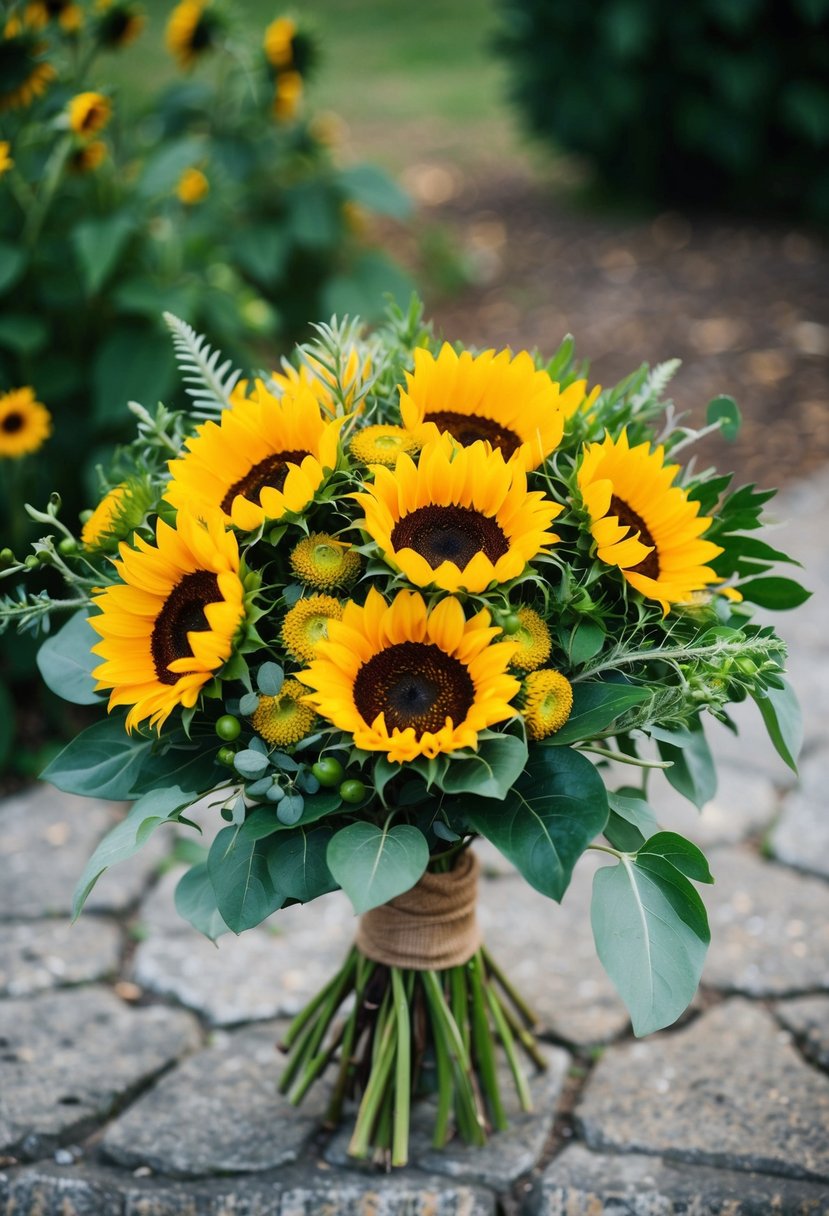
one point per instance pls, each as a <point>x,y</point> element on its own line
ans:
<point>784,722</point>
<point>681,853</point>
<point>65,661</point>
<point>595,706</point>
<point>297,863</point>
<point>251,763</point>
<point>373,865</point>
<point>242,885</point>
<point>692,772</point>
<point>547,820</point>
<point>127,837</point>
<point>491,771</point>
<point>269,679</point>
<point>651,934</point>
<point>103,761</point>
<point>195,901</point>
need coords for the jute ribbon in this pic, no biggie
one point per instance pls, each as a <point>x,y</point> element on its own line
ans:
<point>429,928</point>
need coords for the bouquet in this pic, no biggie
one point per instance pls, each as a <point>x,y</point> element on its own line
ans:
<point>352,614</point>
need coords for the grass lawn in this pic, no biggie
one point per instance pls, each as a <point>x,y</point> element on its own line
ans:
<point>409,81</point>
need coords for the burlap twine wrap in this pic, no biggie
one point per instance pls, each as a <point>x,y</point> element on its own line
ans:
<point>429,928</point>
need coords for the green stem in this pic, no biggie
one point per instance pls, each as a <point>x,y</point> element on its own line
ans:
<point>508,1041</point>
<point>482,1040</point>
<point>622,758</point>
<point>313,1005</point>
<point>403,1072</point>
<point>471,1123</point>
<point>443,1065</point>
<point>385,1045</point>
<point>529,1015</point>
<point>365,970</point>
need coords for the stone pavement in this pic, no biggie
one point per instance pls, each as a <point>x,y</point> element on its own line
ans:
<point>137,1062</point>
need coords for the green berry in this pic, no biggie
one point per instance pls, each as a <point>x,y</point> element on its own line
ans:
<point>510,624</point>
<point>352,791</point>
<point>225,756</point>
<point>328,771</point>
<point>30,561</point>
<point>68,546</point>
<point>228,728</point>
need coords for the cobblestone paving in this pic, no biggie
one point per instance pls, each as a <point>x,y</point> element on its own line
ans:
<point>137,1062</point>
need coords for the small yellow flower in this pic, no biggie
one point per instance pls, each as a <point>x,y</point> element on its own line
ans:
<point>532,641</point>
<point>287,95</point>
<point>6,161</point>
<point>325,563</point>
<point>88,157</point>
<point>25,423</point>
<point>306,625</point>
<point>192,187</point>
<point>382,445</point>
<point>191,30</point>
<point>119,513</point>
<point>68,15</point>
<point>547,698</point>
<point>283,720</point>
<point>278,42</point>
<point>24,76</point>
<point>89,113</point>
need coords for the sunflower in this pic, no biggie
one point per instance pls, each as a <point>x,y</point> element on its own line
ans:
<point>87,157</point>
<point>192,187</point>
<point>24,75</point>
<point>643,523</point>
<point>171,623</point>
<point>546,701</point>
<point>191,30</point>
<point>409,681</point>
<point>285,719</point>
<point>531,640</point>
<point>503,399</point>
<point>288,48</point>
<point>382,445</point>
<point>6,160</point>
<point>68,15</point>
<point>118,22</point>
<point>325,563</point>
<point>267,457</point>
<point>119,512</point>
<point>24,423</point>
<point>306,625</point>
<point>88,113</point>
<point>461,518</point>
<point>287,95</point>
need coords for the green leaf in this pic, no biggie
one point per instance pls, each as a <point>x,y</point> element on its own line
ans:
<point>784,721</point>
<point>631,821</point>
<point>23,334</point>
<point>195,901</point>
<point>103,761</point>
<point>777,593</point>
<point>585,641</point>
<point>238,870</point>
<point>165,167</point>
<point>682,855</point>
<point>98,245</point>
<point>651,934</point>
<point>262,251</point>
<point>692,770</point>
<point>361,291</point>
<point>250,763</point>
<point>127,837</point>
<point>297,863</point>
<point>725,411</point>
<point>595,706</point>
<point>181,762</point>
<point>313,214</point>
<point>491,771</point>
<point>269,679</point>
<point>547,820</point>
<point>134,362</point>
<point>12,264</point>
<point>370,187</point>
<point>65,661</point>
<point>373,865</point>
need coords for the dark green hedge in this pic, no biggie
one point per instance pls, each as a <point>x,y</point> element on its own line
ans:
<point>707,102</point>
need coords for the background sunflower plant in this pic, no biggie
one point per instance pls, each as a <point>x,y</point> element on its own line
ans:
<point>354,656</point>
<point>212,196</point>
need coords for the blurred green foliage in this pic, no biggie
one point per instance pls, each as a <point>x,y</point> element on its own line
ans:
<point>717,103</point>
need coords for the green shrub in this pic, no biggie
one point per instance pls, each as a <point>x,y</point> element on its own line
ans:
<point>712,103</point>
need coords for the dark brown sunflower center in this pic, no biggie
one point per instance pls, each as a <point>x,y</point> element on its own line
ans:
<point>450,534</point>
<point>469,428</point>
<point>183,613</point>
<point>202,35</point>
<point>12,423</point>
<point>626,515</point>
<point>271,471</point>
<point>414,684</point>
<point>55,7</point>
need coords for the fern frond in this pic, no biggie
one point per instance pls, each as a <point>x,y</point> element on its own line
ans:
<point>657,381</point>
<point>207,379</point>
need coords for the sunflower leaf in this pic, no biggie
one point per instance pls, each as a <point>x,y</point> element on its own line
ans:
<point>595,706</point>
<point>195,901</point>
